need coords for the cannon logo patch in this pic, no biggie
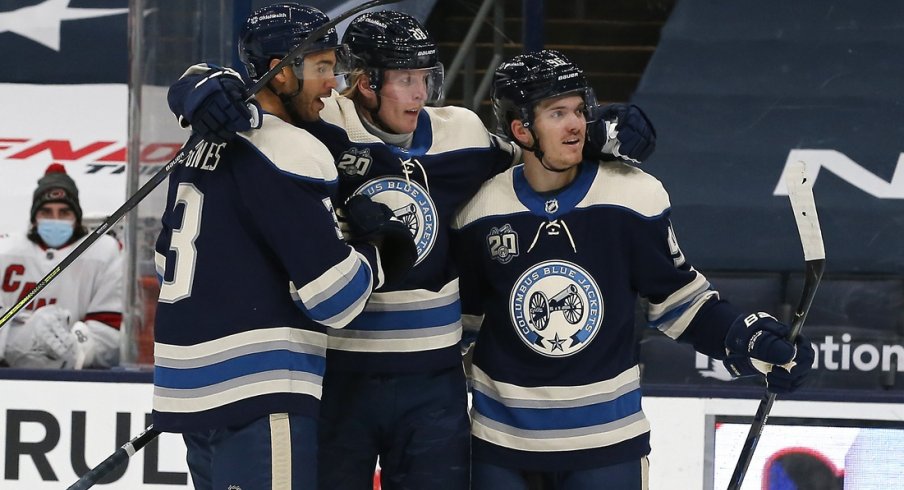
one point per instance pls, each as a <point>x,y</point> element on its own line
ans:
<point>556,308</point>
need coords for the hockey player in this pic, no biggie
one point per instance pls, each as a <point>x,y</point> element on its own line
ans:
<point>74,322</point>
<point>394,387</point>
<point>553,255</point>
<point>254,270</point>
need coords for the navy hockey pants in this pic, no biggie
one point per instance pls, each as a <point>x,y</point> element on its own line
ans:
<point>416,423</point>
<point>277,452</point>
<point>631,475</point>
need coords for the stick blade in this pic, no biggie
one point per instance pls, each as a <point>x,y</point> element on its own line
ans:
<point>800,191</point>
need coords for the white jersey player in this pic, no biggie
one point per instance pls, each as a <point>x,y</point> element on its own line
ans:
<point>74,322</point>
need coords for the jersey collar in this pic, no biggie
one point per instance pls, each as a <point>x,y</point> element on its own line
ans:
<point>552,205</point>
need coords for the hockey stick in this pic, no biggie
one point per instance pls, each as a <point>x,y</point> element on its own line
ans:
<point>800,191</point>
<point>193,143</point>
<point>114,460</point>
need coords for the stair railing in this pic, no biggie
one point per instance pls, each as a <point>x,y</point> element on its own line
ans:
<point>464,58</point>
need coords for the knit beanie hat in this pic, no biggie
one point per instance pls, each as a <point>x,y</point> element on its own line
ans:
<point>56,186</point>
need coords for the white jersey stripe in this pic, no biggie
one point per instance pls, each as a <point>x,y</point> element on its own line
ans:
<point>302,338</point>
<point>283,384</point>
<point>420,340</point>
<point>560,440</point>
<point>506,392</point>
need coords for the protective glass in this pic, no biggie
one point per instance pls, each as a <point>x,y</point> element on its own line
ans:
<point>318,65</point>
<point>423,84</point>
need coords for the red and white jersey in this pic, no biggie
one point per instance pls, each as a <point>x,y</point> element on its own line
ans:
<point>90,288</point>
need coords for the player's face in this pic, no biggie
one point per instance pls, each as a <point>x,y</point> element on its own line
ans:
<point>402,96</point>
<point>318,77</point>
<point>560,125</point>
<point>57,211</point>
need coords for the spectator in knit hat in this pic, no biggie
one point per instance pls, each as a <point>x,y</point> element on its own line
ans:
<point>74,322</point>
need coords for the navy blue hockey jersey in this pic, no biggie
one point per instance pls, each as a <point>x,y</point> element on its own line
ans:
<point>417,326</point>
<point>554,278</point>
<point>253,270</point>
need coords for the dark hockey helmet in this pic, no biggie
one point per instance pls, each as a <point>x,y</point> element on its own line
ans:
<point>272,31</point>
<point>526,79</point>
<point>390,40</point>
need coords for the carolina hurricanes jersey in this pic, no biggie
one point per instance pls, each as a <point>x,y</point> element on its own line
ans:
<point>417,326</point>
<point>555,277</point>
<point>253,270</point>
<point>90,288</point>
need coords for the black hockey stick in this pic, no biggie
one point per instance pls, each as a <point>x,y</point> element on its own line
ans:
<point>800,191</point>
<point>194,142</point>
<point>114,460</point>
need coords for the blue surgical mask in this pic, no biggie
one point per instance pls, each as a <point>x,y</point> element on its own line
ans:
<point>55,232</point>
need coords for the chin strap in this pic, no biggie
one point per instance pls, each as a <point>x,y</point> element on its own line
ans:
<point>287,99</point>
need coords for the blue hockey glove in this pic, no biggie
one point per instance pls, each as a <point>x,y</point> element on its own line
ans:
<point>622,131</point>
<point>374,222</point>
<point>757,344</point>
<point>215,106</point>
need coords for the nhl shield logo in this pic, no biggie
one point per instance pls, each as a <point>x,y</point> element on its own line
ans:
<point>556,308</point>
<point>502,244</point>
<point>411,204</point>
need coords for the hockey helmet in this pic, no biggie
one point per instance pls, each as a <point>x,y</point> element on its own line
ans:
<point>520,83</point>
<point>272,31</point>
<point>390,40</point>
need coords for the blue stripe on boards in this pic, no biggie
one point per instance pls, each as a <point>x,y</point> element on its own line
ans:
<point>258,362</point>
<point>558,418</point>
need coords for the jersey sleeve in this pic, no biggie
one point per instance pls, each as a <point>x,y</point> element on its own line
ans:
<point>103,315</point>
<point>682,303</point>
<point>471,286</point>
<point>288,197</point>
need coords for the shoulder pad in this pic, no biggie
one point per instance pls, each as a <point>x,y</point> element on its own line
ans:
<point>292,150</point>
<point>625,185</point>
<point>455,128</point>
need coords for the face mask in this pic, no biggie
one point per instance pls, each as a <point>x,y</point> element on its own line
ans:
<point>55,232</point>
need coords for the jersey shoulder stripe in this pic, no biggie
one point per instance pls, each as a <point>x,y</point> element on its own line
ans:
<point>626,186</point>
<point>496,197</point>
<point>456,128</point>
<point>292,150</point>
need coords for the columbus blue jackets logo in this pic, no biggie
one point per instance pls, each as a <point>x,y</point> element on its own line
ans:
<point>411,204</point>
<point>502,243</point>
<point>355,162</point>
<point>556,308</point>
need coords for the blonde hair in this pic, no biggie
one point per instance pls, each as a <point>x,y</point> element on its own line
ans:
<point>351,90</point>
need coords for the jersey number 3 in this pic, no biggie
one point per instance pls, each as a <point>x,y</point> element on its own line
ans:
<point>182,242</point>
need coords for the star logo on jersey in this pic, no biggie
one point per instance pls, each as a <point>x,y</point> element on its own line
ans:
<point>556,308</point>
<point>411,205</point>
<point>42,23</point>
<point>502,243</point>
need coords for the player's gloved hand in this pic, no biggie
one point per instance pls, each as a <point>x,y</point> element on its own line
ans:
<point>758,344</point>
<point>215,106</point>
<point>45,340</point>
<point>622,131</point>
<point>374,222</point>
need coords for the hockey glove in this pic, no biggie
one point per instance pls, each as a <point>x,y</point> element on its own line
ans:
<point>757,344</point>
<point>44,341</point>
<point>374,222</point>
<point>215,106</point>
<point>622,131</point>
